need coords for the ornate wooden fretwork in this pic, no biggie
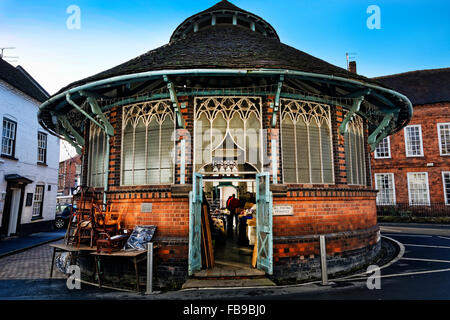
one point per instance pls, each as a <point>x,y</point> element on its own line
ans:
<point>228,106</point>
<point>146,111</point>
<point>307,110</point>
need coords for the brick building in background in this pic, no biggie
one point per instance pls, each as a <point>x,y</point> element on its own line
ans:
<point>411,169</point>
<point>69,175</point>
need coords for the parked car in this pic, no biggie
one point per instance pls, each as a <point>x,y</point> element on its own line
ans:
<point>62,215</point>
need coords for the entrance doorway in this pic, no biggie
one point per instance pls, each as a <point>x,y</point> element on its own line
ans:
<point>233,215</point>
<point>235,241</point>
<point>14,211</point>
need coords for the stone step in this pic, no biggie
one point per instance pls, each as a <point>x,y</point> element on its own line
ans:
<point>226,283</point>
<point>233,270</point>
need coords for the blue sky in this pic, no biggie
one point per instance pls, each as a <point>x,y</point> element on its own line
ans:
<point>414,34</point>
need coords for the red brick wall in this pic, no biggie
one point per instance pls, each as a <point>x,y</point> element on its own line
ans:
<point>170,215</point>
<point>428,116</point>
<point>321,215</point>
<point>325,212</point>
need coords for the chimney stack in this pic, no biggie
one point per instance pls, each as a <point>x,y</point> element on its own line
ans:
<point>352,66</point>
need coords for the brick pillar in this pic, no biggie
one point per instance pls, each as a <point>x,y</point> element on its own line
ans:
<point>187,112</point>
<point>115,118</point>
<point>340,172</point>
<point>272,134</point>
<point>266,141</point>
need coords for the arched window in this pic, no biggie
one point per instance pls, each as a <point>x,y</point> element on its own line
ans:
<point>147,143</point>
<point>355,152</point>
<point>97,152</point>
<point>306,142</point>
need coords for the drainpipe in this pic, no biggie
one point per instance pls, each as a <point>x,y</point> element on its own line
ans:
<point>105,184</point>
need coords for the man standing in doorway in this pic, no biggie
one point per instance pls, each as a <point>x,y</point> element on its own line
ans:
<point>232,204</point>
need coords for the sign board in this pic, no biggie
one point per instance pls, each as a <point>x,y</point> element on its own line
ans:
<point>283,210</point>
<point>146,207</point>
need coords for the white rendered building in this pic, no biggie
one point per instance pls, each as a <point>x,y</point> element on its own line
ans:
<point>29,156</point>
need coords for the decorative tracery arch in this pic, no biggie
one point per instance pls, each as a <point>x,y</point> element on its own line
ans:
<point>223,122</point>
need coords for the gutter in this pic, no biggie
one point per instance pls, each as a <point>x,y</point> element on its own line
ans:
<point>160,73</point>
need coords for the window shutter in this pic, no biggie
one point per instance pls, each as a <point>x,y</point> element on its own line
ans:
<point>127,155</point>
<point>139,153</point>
<point>153,152</point>
<point>303,143</point>
<point>167,130</point>
<point>288,154</point>
<point>314,147</point>
<point>354,156</point>
<point>348,156</point>
<point>327,160</point>
<point>252,143</point>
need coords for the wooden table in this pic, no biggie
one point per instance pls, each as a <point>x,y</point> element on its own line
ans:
<point>60,247</point>
<point>135,256</point>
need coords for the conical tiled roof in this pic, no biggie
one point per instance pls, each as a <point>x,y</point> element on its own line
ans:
<point>224,47</point>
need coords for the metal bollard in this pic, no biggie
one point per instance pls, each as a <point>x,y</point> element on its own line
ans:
<point>149,268</point>
<point>323,260</point>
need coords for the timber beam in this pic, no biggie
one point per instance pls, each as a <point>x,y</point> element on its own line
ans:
<point>68,127</point>
<point>381,131</point>
<point>98,112</point>
<point>68,138</point>
<point>354,109</point>
<point>82,111</point>
<point>175,103</point>
<point>276,104</point>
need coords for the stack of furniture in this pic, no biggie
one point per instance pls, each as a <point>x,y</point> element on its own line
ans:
<point>81,222</point>
<point>111,236</point>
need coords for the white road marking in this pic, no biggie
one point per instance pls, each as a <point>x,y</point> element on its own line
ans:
<point>444,237</point>
<point>426,246</point>
<point>399,274</point>
<point>397,258</point>
<point>427,260</point>
<point>407,235</point>
<point>419,231</point>
<point>390,229</point>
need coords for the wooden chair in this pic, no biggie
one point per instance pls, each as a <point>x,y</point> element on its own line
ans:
<point>107,220</point>
<point>111,234</point>
<point>108,243</point>
<point>81,220</point>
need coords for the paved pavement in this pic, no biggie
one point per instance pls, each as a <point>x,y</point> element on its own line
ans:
<point>30,264</point>
<point>16,244</point>
<point>422,272</point>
